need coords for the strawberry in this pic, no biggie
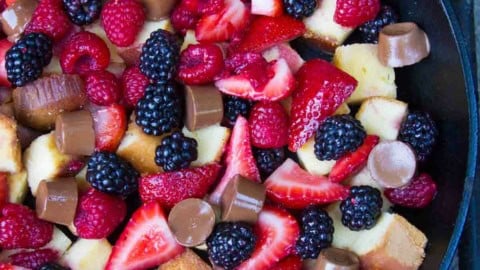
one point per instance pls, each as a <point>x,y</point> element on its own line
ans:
<point>272,8</point>
<point>8,266</point>
<point>3,189</point>
<point>353,162</point>
<point>417,194</point>
<point>268,125</point>
<point>265,32</point>
<point>5,45</point>
<point>289,263</point>
<point>49,18</point>
<point>110,123</point>
<point>239,158</point>
<point>169,188</point>
<point>321,89</point>
<point>277,231</point>
<point>295,188</point>
<point>352,13</point>
<point>294,60</point>
<point>145,242</point>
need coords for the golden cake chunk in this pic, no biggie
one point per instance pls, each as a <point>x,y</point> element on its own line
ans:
<point>11,152</point>
<point>188,260</point>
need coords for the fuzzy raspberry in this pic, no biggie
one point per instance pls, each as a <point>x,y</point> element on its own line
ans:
<point>102,88</point>
<point>98,214</point>
<point>352,13</point>
<point>34,259</point>
<point>133,84</point>
<point>183,19</point>
<point>268,125</point>
<point>199,64</point>
<point>20,228</point>
<point>84,52</point>
<point>49,18</point>
<point>122,21</point>
<point>418,194</point>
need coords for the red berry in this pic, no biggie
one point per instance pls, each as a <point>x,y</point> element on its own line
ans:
<point>98,214</point>
<point>417,194</point>
<point>49,18</point>
<point>352,13</point>
<point>5,45</point>
<point>133,84</point>
<point>199,64</point>
<point>3,189</point>
<point>289,263</point>
<point>183,18</point>
<point>268,125</point>
<point>20,228</point>
<point>84,52</point>
<point>34,259</point>
<point>122,21</point>
<point>102,88</point>
<point>110,124</point>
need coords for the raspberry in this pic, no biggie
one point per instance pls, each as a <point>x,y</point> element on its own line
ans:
<point>98,214</point>
<point>352,13</point>
<point>268,125</point>
<point>122,20</point>
<point>102,88</point>
<point>210,7</point>
<point>183,19</point>
<point>49,18</point>
<point>133,83</point>
<point>84,52</point>
<point>418,194</point>
<point>199,64</point>
<point>34,259</point>
<point>20,228</point>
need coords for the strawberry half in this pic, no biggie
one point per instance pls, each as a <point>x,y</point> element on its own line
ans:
<point>285,51</point>
<point>110,124</point>
<point>277,232</point>
<point>272,8</point>
<point>5,45</point>
<point>353,162</point>
<point>239,158</point>
<point>8,266</point>
<point>3,189</point>
<point>295,188</point>
<point>321,89</point>
<point>145,242</point>
<point>289,263</point>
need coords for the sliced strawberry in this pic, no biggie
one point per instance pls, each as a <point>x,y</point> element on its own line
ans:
<point>294,60</point>
<point>5,45</point>
<point>8,266</point>
<point>353,162</point>
<point>221,26</point>
<point>239,158</point>
<point>3,189</point>
<point>295,188</point>
<point>265,32</point>
<point>172,187</point>
<point>321,89</point>
<point>145,242</point>
<point>272,8</point>
<point>277,232</point>
<point>110,124</point>
<point>289,263</point>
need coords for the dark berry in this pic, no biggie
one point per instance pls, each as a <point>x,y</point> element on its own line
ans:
<point>299,8</point>
<point>268,160</point>
<point>159,57</point>
<point>369,30</point>
<point>160,109</point>
<point>362,208</point>
<point>230,244</point>
<point>26,59</point>
<point>235,106</point>
<point>82,12</point>
<point>316,232</point>
<point>109,173</point>
<point>337,136</point>
<point>52,266</point>
<point>176,152</point>
<point>420,132</point>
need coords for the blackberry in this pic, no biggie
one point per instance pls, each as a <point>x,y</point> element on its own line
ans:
<point>420,132</point>
<point>160,55</point>
<point>160,109</point>
<point>337,136</point>
<point>299,8</point>
<point>234,106</point>
<point>82,12</point>
<point>361,209</point>
<point>176,152</point>
<point>52,266</point>
<point>26,59</point>
<point>109,173</point>
<point>368,31</point>
<point>316,232</point>
<point>230,244</point>
<point>268,160</point>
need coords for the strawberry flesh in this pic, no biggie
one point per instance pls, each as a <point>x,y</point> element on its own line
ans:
<point>3,189</point>
<point>272,8</point>
<point>5,45</point>
<point>110,124</point>
<point>289,263</point>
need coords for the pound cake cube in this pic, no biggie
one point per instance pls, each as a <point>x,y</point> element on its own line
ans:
<point>188,260</point>
<point>11,151</point>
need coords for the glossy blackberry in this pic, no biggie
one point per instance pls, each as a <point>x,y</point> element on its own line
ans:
<point>316,232</point>
<point>26,59</point>
<point>268,160</point>
<point>176,152</point>
<point>369,31</point>
<point>159,56</point>
<point>337,136</point>
<point>299,8</point>
<point>160,109</point>
<point>82,12</point>
<point>420,132</point>
<point>111,174</point>
<point>361,209</point>
<point>52,266</point>
<point>230,244</point>
<point>235,106</point>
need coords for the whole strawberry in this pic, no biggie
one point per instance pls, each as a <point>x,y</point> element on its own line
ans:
<point>352,13</point>
<point>418,194</point>
<point>133,84</point>
<point>34,259</point>
<point>122,20</point>
<point>268,125</point>
<point>102,88</point>
<point>49,18</point>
